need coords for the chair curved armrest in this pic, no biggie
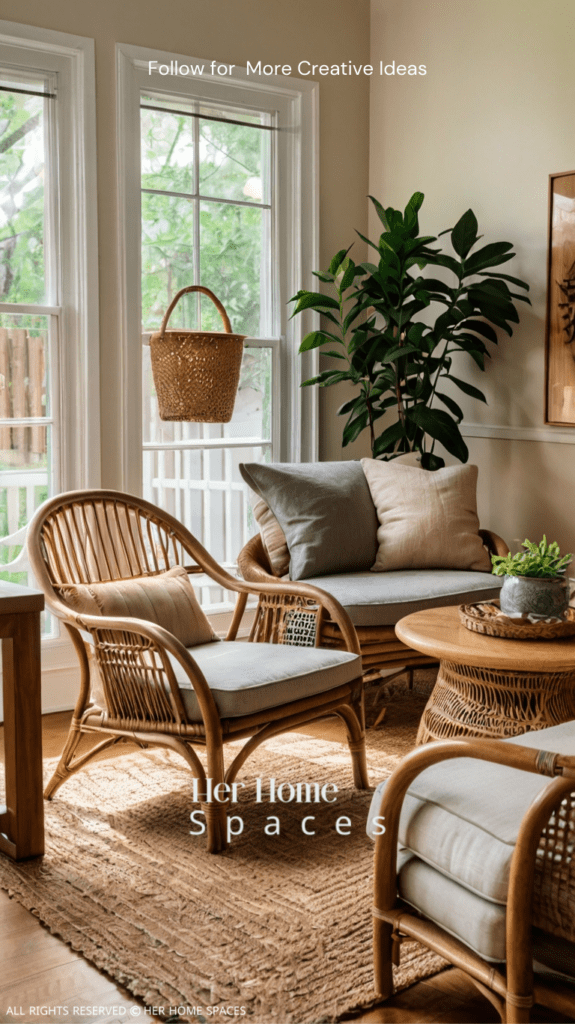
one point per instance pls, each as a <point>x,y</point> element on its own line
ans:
<point>494,543</point>
<point>292,588</point>
<point>510,754</point>
<point>253,562</point>
<point>258,579</point>
<point>163,642</point>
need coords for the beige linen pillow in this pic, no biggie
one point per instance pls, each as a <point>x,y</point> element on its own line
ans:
<point>273,537</point>
<point>428,520</point>
<point>167,599</point>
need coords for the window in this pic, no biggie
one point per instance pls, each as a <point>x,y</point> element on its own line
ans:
<point>226,177</point>
<point>208,210</point>
<point>48,317</point>
<point>29,315</point>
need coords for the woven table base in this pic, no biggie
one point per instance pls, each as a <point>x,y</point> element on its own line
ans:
<point>470,701</point>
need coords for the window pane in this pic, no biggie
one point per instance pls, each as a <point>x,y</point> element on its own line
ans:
<point>167,151</point>
<point>234,162</point>
<point>25,451</point>
<point>204,489</point>
<point>167,260</point>
<point>234,263</point>
<point>22,182</point>
<point>253,408</point>
<point>24,357</point>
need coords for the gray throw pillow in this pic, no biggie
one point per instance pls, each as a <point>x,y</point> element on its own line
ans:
<point>325,510</point>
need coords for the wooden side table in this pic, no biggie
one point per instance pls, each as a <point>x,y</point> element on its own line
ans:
<point>488,686</point>
<point>22,818</point>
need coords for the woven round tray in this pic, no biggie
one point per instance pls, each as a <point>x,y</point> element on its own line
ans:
<point>486,617</point>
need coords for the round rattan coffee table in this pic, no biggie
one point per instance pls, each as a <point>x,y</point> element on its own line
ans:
<point>488,686</point>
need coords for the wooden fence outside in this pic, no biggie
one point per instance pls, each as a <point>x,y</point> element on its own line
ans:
<point>22,393</point>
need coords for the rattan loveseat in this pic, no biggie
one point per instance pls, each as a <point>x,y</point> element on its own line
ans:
<point>401,592</point>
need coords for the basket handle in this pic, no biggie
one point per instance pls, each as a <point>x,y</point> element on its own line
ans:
<point>206,291</point>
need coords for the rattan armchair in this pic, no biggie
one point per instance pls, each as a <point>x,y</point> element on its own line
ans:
<point>535,909</point>
<point>85,537</point>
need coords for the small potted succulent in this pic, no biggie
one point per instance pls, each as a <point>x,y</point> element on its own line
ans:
<point>535,586</point>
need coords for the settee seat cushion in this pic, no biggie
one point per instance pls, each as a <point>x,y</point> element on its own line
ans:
<point>458,827</point>
<point>383,598</point>
<point>246,678</point>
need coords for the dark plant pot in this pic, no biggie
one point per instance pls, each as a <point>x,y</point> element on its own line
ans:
<point>533,598</point>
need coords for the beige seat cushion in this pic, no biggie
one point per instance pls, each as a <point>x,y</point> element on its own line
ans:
<point>167,600</point>
<point>427,520</point>
<point>273,537</point>
<point>247,677</point>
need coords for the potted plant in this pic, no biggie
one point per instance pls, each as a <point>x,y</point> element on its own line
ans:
<point>534,587</point>
<point>397,362</point>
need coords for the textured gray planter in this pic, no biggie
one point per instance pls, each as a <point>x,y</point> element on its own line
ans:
<point>534,598</point>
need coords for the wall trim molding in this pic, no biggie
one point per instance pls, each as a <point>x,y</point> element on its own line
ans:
<point>545,434</point>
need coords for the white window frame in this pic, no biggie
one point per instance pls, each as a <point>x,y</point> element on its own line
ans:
<point>75,298</point>
<point>298,225</point>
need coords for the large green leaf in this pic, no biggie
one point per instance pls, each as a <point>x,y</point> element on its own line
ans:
<point>314,300</point>
<point>380,212</point>
<point>440,425</point>
<point>453,407</point>
<point>367,241</point>
<point>348,275</point>
<point>315,339</point>
<point>464,234</point>
<point>488,256</point>
<point>389,438</point>
<point>468,389</point>
<point>354,427</point>
<point>507,277</point>
<point>443,260</point>
<point>354,403</point>
<point>337,261</point>
<point>398,353</point>
<point>480,328</point>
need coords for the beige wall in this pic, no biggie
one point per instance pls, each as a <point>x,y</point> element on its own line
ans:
<point>232,31</point>
<point>483,129</point>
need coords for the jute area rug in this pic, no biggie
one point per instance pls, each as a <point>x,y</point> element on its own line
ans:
<point>279,925</point>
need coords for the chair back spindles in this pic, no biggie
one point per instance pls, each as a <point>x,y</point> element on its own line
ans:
<point>94,540</point>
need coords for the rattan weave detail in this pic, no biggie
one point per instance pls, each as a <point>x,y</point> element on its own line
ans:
<point>554,889</point>
<point>472,701</point>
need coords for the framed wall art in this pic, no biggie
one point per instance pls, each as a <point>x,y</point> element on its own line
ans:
<point>560,319</point>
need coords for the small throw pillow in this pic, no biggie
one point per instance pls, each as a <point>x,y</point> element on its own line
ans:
<point>428,520</point>
<point>325,511</point>
<point>167,599</point>
<point>273,537</point>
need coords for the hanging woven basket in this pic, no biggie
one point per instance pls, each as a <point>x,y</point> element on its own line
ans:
<point>196,373</point>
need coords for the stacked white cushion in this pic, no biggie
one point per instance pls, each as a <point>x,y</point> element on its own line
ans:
<point>460,821</point>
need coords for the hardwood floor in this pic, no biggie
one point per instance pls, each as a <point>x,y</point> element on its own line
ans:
<point>40,971</point>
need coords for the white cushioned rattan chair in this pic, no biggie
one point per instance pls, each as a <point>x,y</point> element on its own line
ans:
<point>477,863</point>
<point>116,571</point>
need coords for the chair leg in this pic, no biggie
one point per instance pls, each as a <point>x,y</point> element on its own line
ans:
<point>63,771</point>
<point>217,827</point>
<point>353,716</point>
<point>382,964</point>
